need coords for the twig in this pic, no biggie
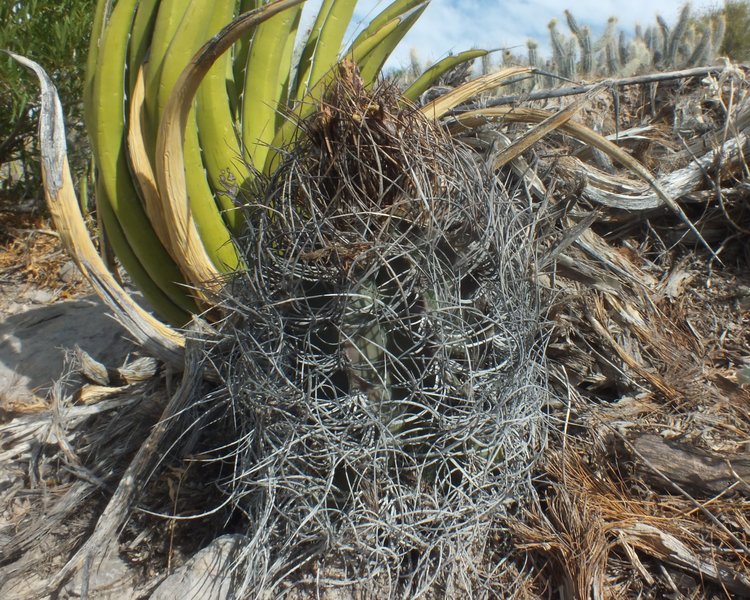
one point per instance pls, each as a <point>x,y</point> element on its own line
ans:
<point>582,89</point>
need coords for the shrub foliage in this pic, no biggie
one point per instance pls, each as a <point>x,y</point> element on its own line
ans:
<point>55,34</point>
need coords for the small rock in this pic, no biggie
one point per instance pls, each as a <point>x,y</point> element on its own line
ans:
<point>41,296</point>
<point>206,576</point>
<point>109,578</point>
<point>69,273</point>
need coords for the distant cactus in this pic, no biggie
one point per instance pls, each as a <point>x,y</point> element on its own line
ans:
<point>558,44</point>
<point>533,55</point>
<point>583,35</point>
<point>718,31</point>
<point>702,48</point>
<point>610,54</point>
<point>639,57</point>
<point>664,38</point>
<point>689,42</point>
<point>676,36</point>
<point>486,64</point>
<point>533,58</point>
<point>415,66</point>
<point>607,36</point>
<point>623,48</point>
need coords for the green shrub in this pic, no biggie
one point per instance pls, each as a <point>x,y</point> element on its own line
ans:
<point>54,33</point>
<point>737,37</point>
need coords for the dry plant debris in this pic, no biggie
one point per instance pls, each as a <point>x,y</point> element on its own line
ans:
<point>648,351</point>
<point>32,255</point>
<point>651,335</point>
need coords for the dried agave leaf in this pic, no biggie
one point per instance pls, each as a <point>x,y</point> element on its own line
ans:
<point>91,394</point>
<point>447,102</point>
<point>149,332</point>
<point>552,122</point>
<point>91,368</point>
<point>476,118</point>
<point>671,550</point>
<point>140,165</point>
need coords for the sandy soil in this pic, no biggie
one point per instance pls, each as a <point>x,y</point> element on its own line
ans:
<point>46,310</point>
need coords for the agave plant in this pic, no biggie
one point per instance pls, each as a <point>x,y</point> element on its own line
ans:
<point>171,170</point>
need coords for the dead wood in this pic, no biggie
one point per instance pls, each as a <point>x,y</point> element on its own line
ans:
<point>700,472</point>
<point>103,540</point>
<point>671,550</point>
<point>613,83</point>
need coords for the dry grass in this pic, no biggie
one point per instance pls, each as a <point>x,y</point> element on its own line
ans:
<point>650,335</point>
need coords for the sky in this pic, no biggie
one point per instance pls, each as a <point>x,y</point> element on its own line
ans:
<point>456,25</point>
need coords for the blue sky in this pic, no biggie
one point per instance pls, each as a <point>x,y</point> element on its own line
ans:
<point>455,25</point>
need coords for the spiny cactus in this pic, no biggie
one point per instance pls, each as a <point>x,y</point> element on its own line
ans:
<point>558,45</point>
<point>583,35</point>
<point>691,41</point>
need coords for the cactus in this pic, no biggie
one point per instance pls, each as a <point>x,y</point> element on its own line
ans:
<point>558,44</point>
<point>689,42</point>
<point>623,49</point>
<point>718,29</point>
<point>700,54</point>
<point>639,57</point>
<point>664,39</point>
<point>609,33</point>
<point>415,66</point>
<point>486,64</point>
<point>583,35</point>
<point>569,64</point>
<point>676,35</point>
<point>610,54</point>
<point>533,56</point>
